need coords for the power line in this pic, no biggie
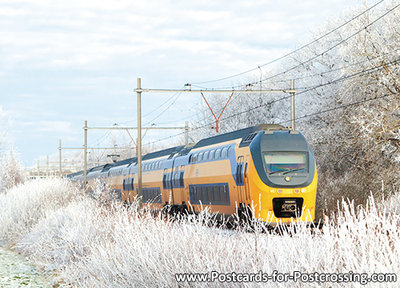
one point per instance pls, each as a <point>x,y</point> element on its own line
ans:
<point>293,52</point>
<point>336,69</point>
<point>154,110</point>
<point>314,75</point>
<point>365,71</point>
<point>169,106</point>
<point>343,106</point>
<point>330,48</point>
<point>297,118</point>
<point>360,73</point>
<point>320,54</point>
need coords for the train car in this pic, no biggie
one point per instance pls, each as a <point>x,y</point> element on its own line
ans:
<point>267,172</point>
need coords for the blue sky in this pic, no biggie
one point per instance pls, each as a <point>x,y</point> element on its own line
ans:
<point>63,62</point>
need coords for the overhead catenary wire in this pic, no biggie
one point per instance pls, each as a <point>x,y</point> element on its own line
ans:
<point>293,52</point>
<point>309,60</point>
<point>369,70</point>
<point>161,105</point>
<point>315,56</point>
<point>327,50</point>
<point>342,106</point>
<point>360,73</point>
<point>297,118</point>
<point>169,106</point>
<point>320,74</point>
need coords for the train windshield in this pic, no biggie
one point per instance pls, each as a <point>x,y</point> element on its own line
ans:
<point>285,162</point>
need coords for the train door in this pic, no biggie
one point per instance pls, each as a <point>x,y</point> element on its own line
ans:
<point>167,184</point>
<point>246,179</point>
<point>172,180</point>
<point>239,179</point>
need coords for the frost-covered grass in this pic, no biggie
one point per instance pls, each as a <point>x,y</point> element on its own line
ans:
<point>89,244</point>
<point>15,271</point>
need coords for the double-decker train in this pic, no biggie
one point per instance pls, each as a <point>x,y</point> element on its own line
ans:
<point>267,172</point>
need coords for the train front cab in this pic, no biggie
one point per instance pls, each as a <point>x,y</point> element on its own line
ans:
<point>282,178</point>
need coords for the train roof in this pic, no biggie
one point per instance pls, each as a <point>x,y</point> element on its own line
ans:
<point>165,152</point>
<point>74,174</point>
<point>246,134</point>
<point>238,134</point>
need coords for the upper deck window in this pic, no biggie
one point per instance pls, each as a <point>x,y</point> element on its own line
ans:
<point>224,153</point>
<point>212,154</point>
<point>205,156</point>
<point>218,153</point>
<point>200,158</point>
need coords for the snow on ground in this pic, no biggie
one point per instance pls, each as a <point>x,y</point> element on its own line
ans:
<point>85,243</point>
<point>16,271</point>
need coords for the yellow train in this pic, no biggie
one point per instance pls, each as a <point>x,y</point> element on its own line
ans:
<point>266,171</point>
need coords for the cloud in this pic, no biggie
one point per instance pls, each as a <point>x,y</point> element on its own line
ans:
<point>66,61</point>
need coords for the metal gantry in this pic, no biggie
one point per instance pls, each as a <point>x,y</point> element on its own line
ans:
<point>139,90</point>
<point>138,142</point>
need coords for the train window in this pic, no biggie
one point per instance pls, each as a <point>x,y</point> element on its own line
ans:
<point>204,195</point>
<point>217,196</point>
<point>191,194</point>
<point>194,158</point>
<point>212,154</point>
<point>176,180</point>
<point>205,156</point>
<point>200,158</point>
<point>197,194</point>
<point>181,182</point>
<point>224,153</point>
<point>210,191</point>
<point>164,181</point>
<point>190,158</point>
<point>218,153</point>
<point>222,193</point>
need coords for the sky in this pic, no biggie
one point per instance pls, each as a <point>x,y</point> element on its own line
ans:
<point>64,62</point>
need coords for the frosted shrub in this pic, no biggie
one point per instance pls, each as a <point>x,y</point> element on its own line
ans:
<point>11,171</point>
<point>22,207</point>
<point>90,244</point>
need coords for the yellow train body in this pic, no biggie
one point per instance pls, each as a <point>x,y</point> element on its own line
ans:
<point>228,174</point>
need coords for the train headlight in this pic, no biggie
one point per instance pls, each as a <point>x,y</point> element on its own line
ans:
<point>273,190</point>
<point>303,190</point>
<point>296,190</point>
<point>287,178</point>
